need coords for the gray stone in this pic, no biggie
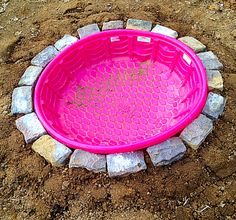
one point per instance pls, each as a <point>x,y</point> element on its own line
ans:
<point>30,76</point>
<point>167,152</point>
<point>165,31</point>
<point>196,132</point>
<point>210,61</point>
<point>22,100</point>
<point>214,106</point>
<point>193,43</point>
<point>111,25</point>
<point>88,30</point>
<point>136,24</point>
<point>89,161</point>
<point>45,56</point>
<point>31,127</point>
<point>215,80</point>
<point>52,150</point>
<point>64,42</point>
<point>122,164</point>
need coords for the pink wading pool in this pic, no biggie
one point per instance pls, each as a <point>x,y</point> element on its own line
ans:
<point>119,91</point>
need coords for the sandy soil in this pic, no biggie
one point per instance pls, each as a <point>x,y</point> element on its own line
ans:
<point>201,186</point>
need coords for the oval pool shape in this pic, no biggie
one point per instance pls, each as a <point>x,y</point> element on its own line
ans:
<point>120,90</point>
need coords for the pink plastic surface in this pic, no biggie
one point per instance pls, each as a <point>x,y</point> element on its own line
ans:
<point>119,91</point>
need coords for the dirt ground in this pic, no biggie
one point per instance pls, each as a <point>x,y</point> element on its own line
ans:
<point>201,186</point>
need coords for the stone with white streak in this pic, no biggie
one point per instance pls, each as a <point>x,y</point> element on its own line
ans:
<point>64,42</point>
<point>52,150</point>
<point>136,24</point>
<point>165,31</point>
<point>31,127</point>
<point>196,132</point>
<point>214,106</point>
<point>45,56</point>
<point>89,161</point>
<point>122,164</point>
<point>30,76</point>
<point>167,152</point>
<point>111,25</point>
<point>22,100</point>
<point>88,30</point>
<point>215,80</point>
<point>210,61</point>
<point>193,43</point>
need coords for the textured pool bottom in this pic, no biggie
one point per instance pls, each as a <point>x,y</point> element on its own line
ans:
<point>162,154</point>
<point>132,97</point>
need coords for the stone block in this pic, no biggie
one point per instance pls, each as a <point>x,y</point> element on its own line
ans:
<point>31,127</point>
<point>136,24</point>
<point>167,152</point>
<point>122,164</point>
<point>30,76</point>
<point>52,150</point>
<point>64,42</point>
<point>196,132</point>
<point>22,100</point>
<point>89,161</point>
<point>193,43</point>
<point>88,30</point>
<point>214,106</point>
<point>45,56</point>
<point>165,31</point>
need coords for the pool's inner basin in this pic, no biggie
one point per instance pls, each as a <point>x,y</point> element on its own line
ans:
<point>104,93</point>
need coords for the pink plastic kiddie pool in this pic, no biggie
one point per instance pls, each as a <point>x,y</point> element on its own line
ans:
<point>121,90</point>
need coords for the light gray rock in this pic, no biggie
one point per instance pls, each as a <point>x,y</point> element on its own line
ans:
<point>196,132</point>
<point>30,76</point>
<point>167,152</point>
<point>122,164</point>
<point>193,43</point>
<point>22,100</point>
<point>64,42</point>
<point>210,61</point>
<point>31,127</point>
<point>88,30</point>
<point>111,25</point>
<point>214,106</point>
<point>52,150</point>
<point>45,56</point>
<point>215,80</point>
<point>136,24</point>
<point>89,161</point>
<point>165,31</point>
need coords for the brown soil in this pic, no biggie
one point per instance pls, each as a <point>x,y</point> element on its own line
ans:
<point>201,186</point>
